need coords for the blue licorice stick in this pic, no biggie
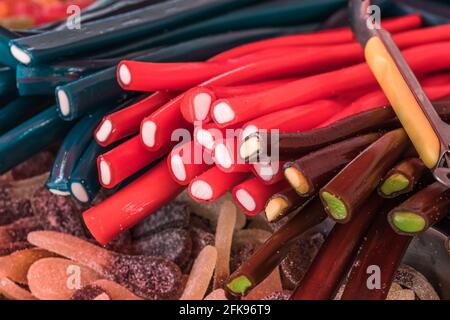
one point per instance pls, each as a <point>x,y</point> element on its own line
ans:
<point>269,14</point>
<point>78,97</point>
<point>32,136</point>
<point>84,182</point>
<point>71,150</point>
<point>115,30</point>
<point>7,80</point>
<point>6,57</point>
<point>432,12</point>
<point>21,109</point>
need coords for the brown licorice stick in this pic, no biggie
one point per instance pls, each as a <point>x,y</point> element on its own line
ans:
<point>291,145</point>
<point>148,277</point>
<point>348,190</point>
<point>311,172</point>
<point>402,178</point>
<point>377,260</point>
<point>270,254</point>
<point>421,211</point>
<point>282,203</point>
<point>325,275</point>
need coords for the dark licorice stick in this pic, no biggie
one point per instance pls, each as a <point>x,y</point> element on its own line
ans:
<point>282,203</point>
<point>43,79</point>
<point>6,57</point>
<point>402,178</point>
<point>378,258</point>
<point>70,151</point>
<point>421,211</point>
<point>83,181</point>
<point>291,145</point>
<point>132,25</point>
<point>310,173</point>
<point>325,275</point>
<point>351,187</point>
<point>274,14</point>
<point>21,109</point>
<point>102,87</point>
<point>433,13</point>
<point>7,80</point>
<point>255,269</point>
<point>131,204</point>
<point>31,137</point>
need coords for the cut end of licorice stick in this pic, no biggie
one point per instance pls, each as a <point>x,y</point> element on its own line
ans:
<point>249,147</point>
<point>148,133</point>
<point>201,190</point>
<point>275,208</point>
<point>201,274</point>
<point>394,184</point>
<point>177,167</point>
<point>104,172</point>
<point>222,155</point>
<point>248,131</point>
<point>79,192</point>
<point>297,180</point>
<point>334,206</point>
<point>204,138</point>
<point>246,200</point>
<point>408,222</point>
<point>20,55</point>
<point>63,102</point>
<point>222,112</point>
<point>123,74</point>
<point>104,131</point>
<point>240,285</point>
<point>202,103</point>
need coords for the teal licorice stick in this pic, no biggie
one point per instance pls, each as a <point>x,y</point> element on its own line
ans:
<point>71,150</point>
<point>7,80</point>
<point>136,24</point>
<point>6,57</point>
<point>32,136</point>
<point>21,109</point>
<point>269,14</point>
<point>81,96</point>
<point>84,183</point>
<point>43,79</point>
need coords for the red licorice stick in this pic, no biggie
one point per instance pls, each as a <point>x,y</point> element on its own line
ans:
<point>378,99</point>
<point>125,160</point>
<point>225,156</point>
<point>187,162</point>
<point>177,76</point>
<point>213,184</point>
<point>157,129</point>
<point>131,204</point>
<point>337,36</point>
<point>380,255</point>
<point>422,59</point>
<point>126,122</point>
<point>200,99</point>
<point>269,173</point>
<point>295,119</point>
<point>325,275</point>
<point>292,65</point>
<point>436,79</point>
<point>252,195</point>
